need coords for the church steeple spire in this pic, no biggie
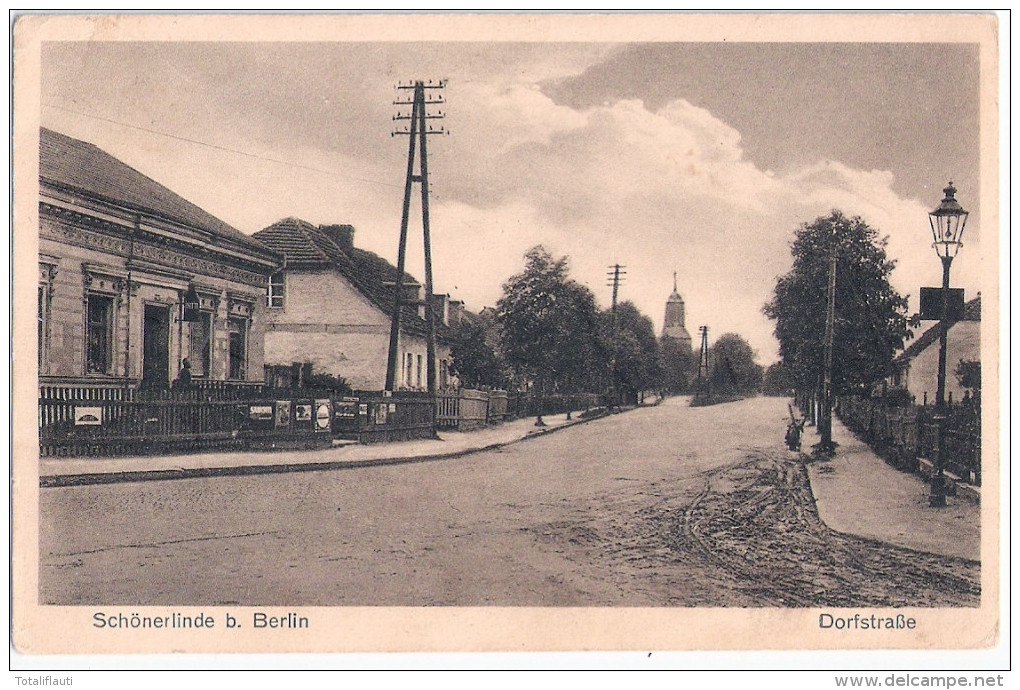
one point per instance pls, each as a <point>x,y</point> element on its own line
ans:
<point>673,326</point>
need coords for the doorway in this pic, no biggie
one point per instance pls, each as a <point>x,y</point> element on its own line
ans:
<point>238,348</point>
<point>156,347</point>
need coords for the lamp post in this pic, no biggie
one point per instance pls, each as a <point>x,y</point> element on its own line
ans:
<point>947,224</point>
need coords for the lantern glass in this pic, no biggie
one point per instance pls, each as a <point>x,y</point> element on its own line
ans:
<point>947,224</point>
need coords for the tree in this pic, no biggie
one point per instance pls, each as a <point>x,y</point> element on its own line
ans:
<point>548,323</point>
<point>678,366</point>
<point>870,321</point>
<point>734,371</point>
<point>968,375</point>
<point>778,381</point>
<point>636,349</point>
<point>475,361</point>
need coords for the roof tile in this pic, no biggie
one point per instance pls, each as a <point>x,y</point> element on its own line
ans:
<point>86,169</point>
<point>307,246</point>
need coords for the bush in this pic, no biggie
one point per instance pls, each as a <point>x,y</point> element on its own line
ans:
<point>897,397</point>
<point>328,382</point>
<point>714,399</point>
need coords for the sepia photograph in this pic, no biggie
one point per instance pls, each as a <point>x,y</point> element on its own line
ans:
<point>375,333</point>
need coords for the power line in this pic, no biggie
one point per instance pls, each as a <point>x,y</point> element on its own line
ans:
<point>417,129</point>
<point>616,277</point>
<point>703,373</point>
<point>218,147</point>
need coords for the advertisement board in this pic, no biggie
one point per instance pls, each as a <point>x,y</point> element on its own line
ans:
<point>88,416</point>
<point>322,415</point>
<point>282,414</point>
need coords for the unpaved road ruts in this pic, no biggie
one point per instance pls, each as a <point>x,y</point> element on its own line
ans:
<point>664,506</point>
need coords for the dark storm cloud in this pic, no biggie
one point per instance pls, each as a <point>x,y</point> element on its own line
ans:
<point>910,108</point>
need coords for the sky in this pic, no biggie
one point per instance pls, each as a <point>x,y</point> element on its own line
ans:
<point>698,158</point>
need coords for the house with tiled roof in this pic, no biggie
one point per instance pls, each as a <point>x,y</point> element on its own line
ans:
<point>134,279</point>
<point>331,303</point>
<point>916,368</point>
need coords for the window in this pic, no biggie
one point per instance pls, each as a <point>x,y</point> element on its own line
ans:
<point>418,375</point>
<point>277,289</point>
<point>409,369</point>
<point>200,345</point>
<point>238,340</point>
<point>98,334</point>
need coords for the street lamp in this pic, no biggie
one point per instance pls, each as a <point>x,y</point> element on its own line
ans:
<point>947,224</point>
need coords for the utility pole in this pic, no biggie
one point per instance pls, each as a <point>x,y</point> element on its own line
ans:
<point>419,95</point>
<point>616,277</point>
<point>702,361</point>
<point>830,318</point>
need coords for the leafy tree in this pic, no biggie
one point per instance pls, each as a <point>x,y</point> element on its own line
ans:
<point>678,366</point>
<point>548,323</point>
<point>734,371</point>
<point>636,349</point>
<point>778,380</point>
<point>870,316</point>
<point>579,363</point>
<point>968,375</point>
<point>475,361</point>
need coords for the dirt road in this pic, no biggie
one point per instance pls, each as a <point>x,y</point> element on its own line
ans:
<point>665,506</point>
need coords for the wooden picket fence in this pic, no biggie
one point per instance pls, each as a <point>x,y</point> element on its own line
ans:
<point>87,418</point>
<point>903,434</point>
<point>463,410</point>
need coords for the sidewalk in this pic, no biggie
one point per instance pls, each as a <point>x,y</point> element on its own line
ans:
<point>74,471</point>
<point>858,493</point>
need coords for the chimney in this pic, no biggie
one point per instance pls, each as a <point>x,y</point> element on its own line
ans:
<point>342,235</point>
<point>419,297</point>
<point>441,308</point>
<point>456,312</point>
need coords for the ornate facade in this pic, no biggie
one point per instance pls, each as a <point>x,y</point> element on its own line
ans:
<point>133,279</point>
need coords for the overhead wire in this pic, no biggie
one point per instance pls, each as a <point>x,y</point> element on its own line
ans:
<point>218,147</point>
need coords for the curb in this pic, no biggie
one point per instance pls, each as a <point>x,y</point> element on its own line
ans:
<point>94,478</point>
<point>805,460</point>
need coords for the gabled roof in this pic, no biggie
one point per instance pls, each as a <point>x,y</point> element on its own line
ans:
<point>306,246</point>
<point>85,169</point>
<point>971,312</point>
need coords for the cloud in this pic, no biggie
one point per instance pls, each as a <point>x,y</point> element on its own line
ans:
<point>658,189</point>
<point>661,191</point>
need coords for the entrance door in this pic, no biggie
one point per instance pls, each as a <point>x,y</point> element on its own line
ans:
<point>238,342</point>
<point>156,347</point>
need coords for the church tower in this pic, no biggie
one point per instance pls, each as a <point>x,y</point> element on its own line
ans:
<point>674,323</point>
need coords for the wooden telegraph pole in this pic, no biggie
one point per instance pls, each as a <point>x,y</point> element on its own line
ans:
<point>703,373</point>
<point>826,445</point>
<point>615,278</point>
<point>419,95</point>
